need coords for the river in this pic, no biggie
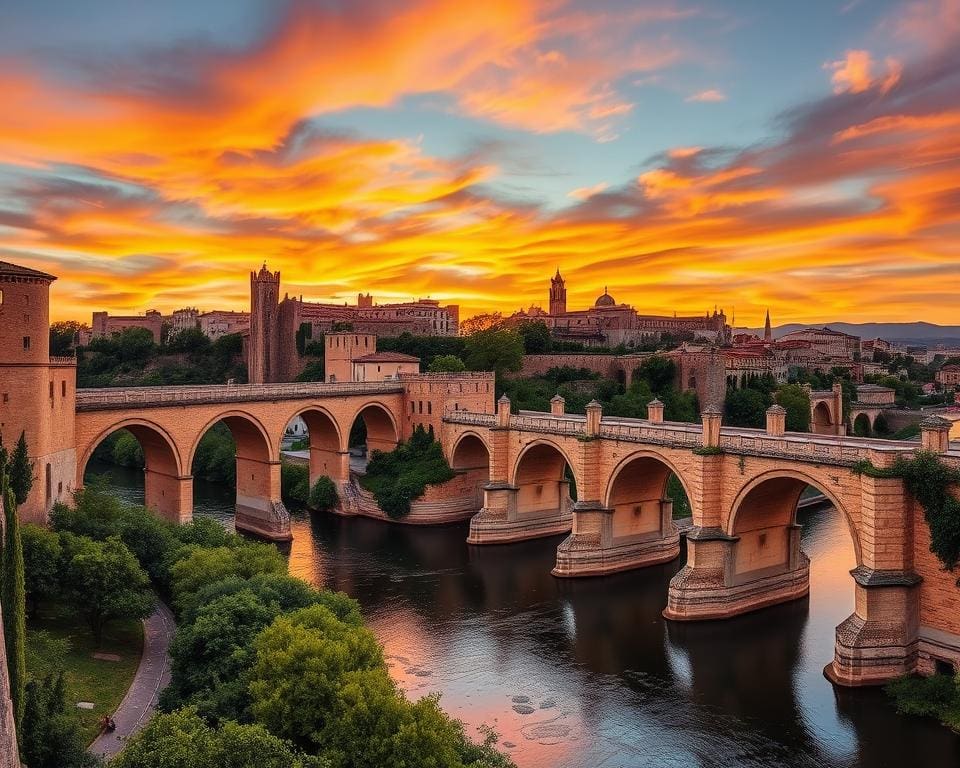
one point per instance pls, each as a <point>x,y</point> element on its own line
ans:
<point>585,673</point>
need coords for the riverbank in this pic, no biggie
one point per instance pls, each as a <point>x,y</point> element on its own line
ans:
<point>95,675</point>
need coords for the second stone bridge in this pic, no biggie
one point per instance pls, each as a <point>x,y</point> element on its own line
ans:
<point>605,480</point>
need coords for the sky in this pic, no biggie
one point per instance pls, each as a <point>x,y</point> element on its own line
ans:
<point>760,153</point>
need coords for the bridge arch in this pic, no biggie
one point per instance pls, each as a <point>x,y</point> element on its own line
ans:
<point>863,424</point>
<point>654,458</point>
<point>163,465</point>
<point>540,478</point>
<point>822,421</point>
<point>252,438</point>
<point>382,429</point>
<point>470,451</point>
<point>763,517</point>
<point>327,454</point>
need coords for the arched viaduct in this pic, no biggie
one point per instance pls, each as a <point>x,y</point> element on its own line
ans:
<point>602,481</point>
<point>170,421</point>
<point>743,486</point>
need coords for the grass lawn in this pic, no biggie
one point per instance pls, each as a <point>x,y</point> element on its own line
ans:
<point>58,636</point>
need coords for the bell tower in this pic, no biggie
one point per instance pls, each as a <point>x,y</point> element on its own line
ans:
<point>264,301</point>
<point>558,295</point>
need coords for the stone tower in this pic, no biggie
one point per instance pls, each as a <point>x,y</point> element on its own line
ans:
<point>264,301</point>
<point>558,294</point>
<point>767,331</point>
<point>37,392</point>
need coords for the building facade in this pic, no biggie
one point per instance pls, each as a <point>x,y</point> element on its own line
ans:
<point>105,324</point>
<point>609,323</point>
<point>38,391</point>
<point>271,345</point>
<point>827,342</point>
<point>949,376</point>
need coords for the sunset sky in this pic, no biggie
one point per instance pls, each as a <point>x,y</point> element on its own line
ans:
<point>801,156</point>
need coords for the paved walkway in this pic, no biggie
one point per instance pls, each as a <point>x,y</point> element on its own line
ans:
<point>153,675</point>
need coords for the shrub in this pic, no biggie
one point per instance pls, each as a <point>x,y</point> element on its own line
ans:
<point>402,475</point>
<point>323,495</point>
<point>295,483</point>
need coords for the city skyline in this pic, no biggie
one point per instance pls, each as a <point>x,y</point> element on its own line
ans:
<point>685,154</point>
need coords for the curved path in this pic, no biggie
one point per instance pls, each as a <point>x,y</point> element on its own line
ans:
<point>153,675</point>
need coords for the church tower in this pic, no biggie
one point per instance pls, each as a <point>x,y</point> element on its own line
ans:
<point>264,301</point>
<point>558,295</point>
<point>767,331</point>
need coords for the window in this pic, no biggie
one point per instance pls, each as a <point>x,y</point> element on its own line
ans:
<point>49,482</point>
<point>26,342</point>
<point>429,407</point>
<point>51,390</point>
<point>1,295</point>
<point>63,388</point>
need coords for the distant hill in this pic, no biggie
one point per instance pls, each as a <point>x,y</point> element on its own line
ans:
<point>914,333</point>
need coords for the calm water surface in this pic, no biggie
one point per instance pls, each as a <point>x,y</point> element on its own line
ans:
<point>586,673</point>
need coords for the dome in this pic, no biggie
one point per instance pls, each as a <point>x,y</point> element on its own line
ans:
<point>605,300</point>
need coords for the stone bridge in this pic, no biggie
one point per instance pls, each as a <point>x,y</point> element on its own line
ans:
<point>743,487</point>
<point>170,421</point>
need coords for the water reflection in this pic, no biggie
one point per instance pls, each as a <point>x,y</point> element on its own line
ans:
<point>577,673</point>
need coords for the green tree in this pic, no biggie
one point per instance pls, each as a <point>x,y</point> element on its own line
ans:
<point>105,582</point>
<point>51,736</point>
<point>63,335</point>
<point>211,657</point>
<point>21,471</point>
<point>446,364</point>
<point>302,661</point>
<point>205,565</point>
<point>745,407</point>
<point>295,483</point>
<point>659,372</point>
<point>183,740</point>
<point>536,337</point>
<point>796,401</point>
<point>14,603</point>
<point>42,556</point>
<point>496,349</point>
<point>324,495</point>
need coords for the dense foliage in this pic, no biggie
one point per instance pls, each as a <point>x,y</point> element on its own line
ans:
<point>936,696</point>
<point>323,495</point>
<point>402,475</point>
<point>266,670</point>
<point>50,737</point>
<point>295,483</point>
<point>132,358</point>
<point>13,594</point>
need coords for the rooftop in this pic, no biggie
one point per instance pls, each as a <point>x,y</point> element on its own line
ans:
<point>387,357</point>
<point>15,270</point>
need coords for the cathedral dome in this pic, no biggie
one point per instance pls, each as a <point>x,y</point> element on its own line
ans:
<point>605,300</point>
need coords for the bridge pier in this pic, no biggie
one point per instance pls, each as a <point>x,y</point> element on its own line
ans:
<point>503,518</point>
<point>879,641</point>
<point>727,575</point>
<point>596,547</point>
<point>169,495</point>
<point>260,510</point>
<point>334,464</point>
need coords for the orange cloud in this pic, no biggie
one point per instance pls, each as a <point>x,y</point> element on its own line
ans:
<point>854,73</point>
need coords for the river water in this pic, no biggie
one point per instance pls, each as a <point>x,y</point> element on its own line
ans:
<point>586,673</point>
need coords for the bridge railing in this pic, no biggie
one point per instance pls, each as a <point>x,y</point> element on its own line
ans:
<point>469,417</point>
<point>98,399</point>
<point>833,449</point>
